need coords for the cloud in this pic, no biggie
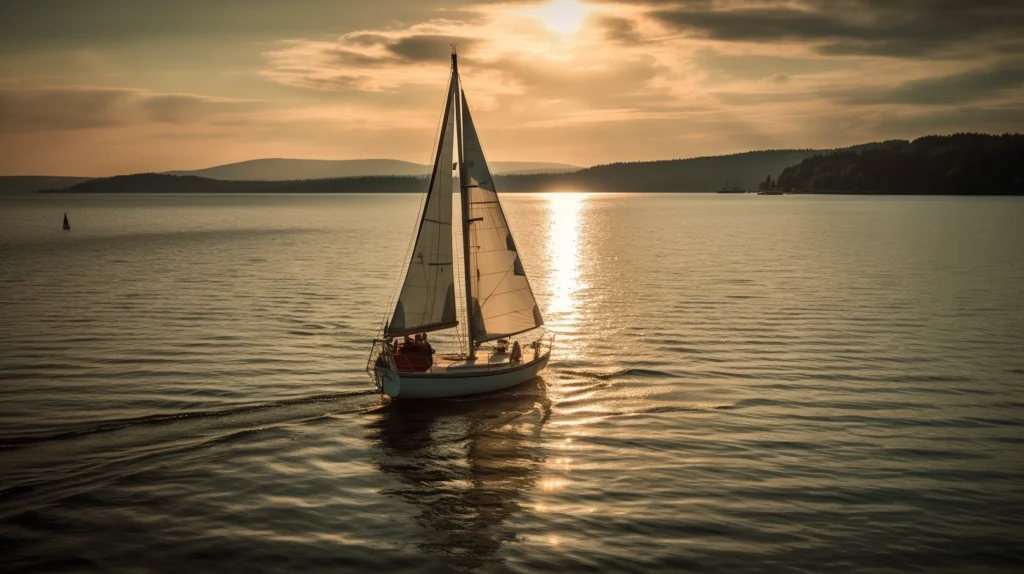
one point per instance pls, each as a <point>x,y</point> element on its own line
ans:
<point>992,119</point>
<point>429,47</point>
<point>960,88</point>
<point>896,28</point>
<point>506,55</point>
<point>722,67</point>
<point>77,108</point>
<point>622,30</point>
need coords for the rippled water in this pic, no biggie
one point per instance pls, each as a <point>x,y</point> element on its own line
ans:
<point>740,383</point>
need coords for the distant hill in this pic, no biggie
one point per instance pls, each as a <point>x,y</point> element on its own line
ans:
<point>681,175</point>
<point>701,174</point>
<point>167,183</point>
<point>279,169</point>
<point>30,183</point>
<point>964,163</point>
<point>530,167</point>
<point>960,164</point>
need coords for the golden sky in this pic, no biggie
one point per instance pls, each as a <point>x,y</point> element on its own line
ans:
<point>101,87</point>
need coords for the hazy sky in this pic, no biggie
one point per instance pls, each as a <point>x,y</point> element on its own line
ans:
<point>99,87</point>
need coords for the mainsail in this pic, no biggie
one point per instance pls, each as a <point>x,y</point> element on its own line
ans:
<point>501,301</point>
<point>427,300</point>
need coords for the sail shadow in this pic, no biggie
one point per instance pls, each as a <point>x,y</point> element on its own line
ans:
<point>465,464</point>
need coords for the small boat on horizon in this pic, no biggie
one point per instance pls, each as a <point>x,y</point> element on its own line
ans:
<point>67,226</point>
<point>497,303</point>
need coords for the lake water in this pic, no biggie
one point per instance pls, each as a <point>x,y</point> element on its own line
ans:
<point>740,383</point>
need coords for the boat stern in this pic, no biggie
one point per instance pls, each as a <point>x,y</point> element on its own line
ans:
<point>382,370</point>
<point>387,381</point>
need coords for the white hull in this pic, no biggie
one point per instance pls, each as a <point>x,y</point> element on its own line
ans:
<point>448,384</point>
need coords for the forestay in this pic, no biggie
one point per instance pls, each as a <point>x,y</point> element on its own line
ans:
<point>502,301</point>
<point>427,300</point>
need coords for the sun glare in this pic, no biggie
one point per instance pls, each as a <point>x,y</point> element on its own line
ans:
<point>563,16</point>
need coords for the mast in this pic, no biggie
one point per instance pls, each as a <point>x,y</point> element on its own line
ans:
<point>464,197</point>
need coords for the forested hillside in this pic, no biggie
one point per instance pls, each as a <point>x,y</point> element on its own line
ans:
<point>962,164</point>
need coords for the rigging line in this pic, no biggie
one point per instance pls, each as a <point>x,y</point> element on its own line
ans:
<point>510,291</point>
<point>523,311</point>
<point>500,271</point>
<point>503,276</point>
<point>509,228</point>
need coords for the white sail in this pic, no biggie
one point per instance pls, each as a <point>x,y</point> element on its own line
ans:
<point>502,301</point>
<point>427,300</point>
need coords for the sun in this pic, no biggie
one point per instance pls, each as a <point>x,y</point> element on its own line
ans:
<point>563,16</point>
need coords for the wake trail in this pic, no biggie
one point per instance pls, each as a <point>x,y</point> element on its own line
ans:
<point>10,443</point>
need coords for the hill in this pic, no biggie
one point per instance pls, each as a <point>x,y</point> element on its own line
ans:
<point>961,164</point>
<point>280,169</point>
<point>701,174</point>
<point>29,183</point>
<point>167,183</point>
<point>681,175</point>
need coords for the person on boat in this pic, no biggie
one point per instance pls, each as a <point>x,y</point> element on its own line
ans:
<point>516,355</point>
<point>536,348</point>
<point>429,349</point>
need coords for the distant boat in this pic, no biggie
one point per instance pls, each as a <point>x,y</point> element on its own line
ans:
<point>67,226</point>
<point>499,303</point>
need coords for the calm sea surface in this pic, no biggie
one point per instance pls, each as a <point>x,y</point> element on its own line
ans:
<point>740,383</point>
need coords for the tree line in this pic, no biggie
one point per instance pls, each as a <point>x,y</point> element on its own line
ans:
<point>961,164</point>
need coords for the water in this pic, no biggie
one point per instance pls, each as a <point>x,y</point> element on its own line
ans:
<point>740,383</point>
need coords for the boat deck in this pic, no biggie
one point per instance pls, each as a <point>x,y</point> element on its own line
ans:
<point>484,361</point>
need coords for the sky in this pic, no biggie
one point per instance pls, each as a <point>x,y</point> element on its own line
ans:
<point>103,87</point>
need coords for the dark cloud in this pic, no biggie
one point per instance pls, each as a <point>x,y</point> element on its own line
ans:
<point>974,86</point>
<point>898,28</point>
<point>622,30</point>
<point>343,57</point>
<point>965,87</point>
<point>428,47</point>
<point>85,108</point>
<point>49,24</point>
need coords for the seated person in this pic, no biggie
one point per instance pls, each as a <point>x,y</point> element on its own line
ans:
<point>429,349</point>
<point>414,355</point>
<point>516,355</point>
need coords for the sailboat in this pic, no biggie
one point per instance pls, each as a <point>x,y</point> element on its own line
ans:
<point>497,303</point>
<point>67,226</point>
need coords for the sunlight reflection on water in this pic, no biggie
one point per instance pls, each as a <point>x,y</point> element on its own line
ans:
<point>565,212</point>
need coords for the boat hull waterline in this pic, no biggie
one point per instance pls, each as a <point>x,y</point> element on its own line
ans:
<point>408,385</point>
